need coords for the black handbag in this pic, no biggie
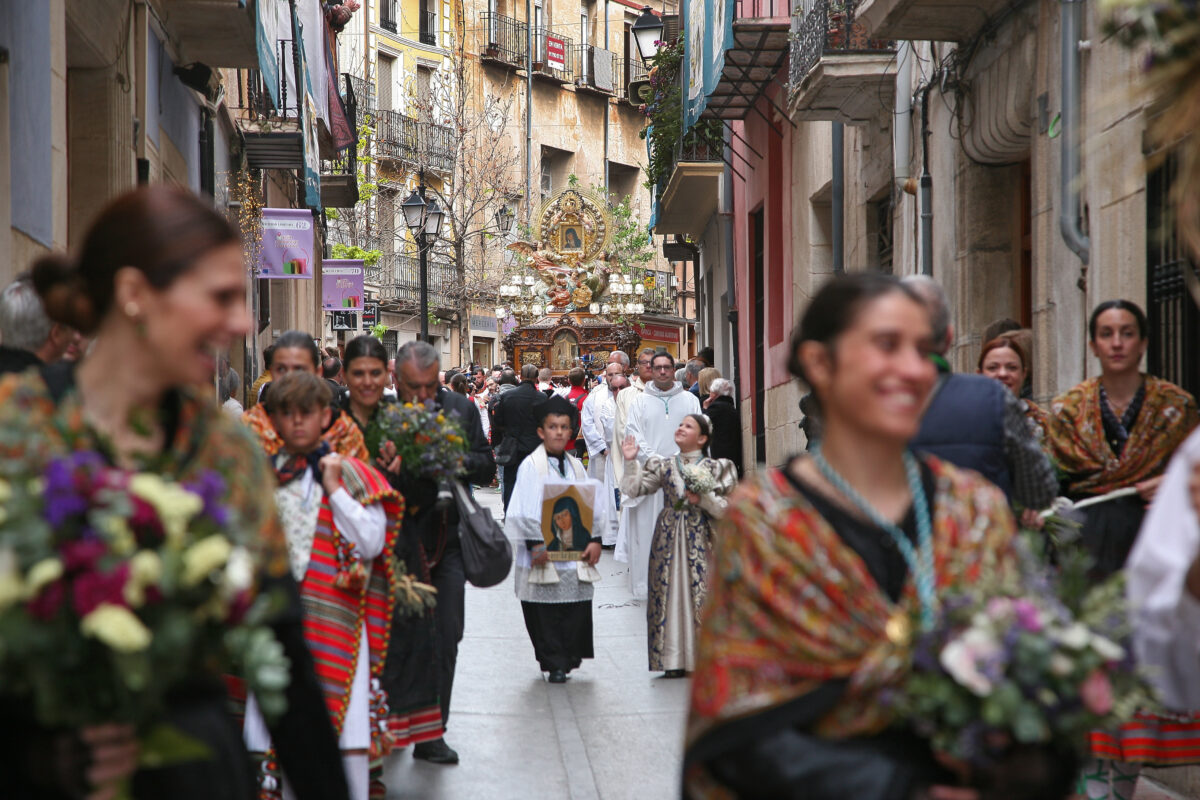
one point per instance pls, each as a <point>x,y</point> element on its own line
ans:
<point>486,551</point>
<point>506,451</point>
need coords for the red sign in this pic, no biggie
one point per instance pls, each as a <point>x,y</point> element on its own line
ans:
<point>660,333</point>
<point>556,53</point>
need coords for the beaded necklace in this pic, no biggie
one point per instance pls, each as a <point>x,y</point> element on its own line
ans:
<point>920,561</point>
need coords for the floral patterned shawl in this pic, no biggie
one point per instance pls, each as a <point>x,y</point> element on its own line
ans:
<point>791,606</point>
<point>1077,444</point>
<point>344,436</point>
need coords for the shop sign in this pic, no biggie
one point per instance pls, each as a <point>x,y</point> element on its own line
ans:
<point>342,285</point>
<point>287,244</point>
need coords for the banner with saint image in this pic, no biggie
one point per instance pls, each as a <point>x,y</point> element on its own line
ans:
<point>568,518</point>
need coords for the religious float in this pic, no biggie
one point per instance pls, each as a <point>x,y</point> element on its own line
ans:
<point>571,305</point>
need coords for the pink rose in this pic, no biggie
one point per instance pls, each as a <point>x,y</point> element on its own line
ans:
<point>82,554</point>
<point>93,588</point>
<point>48,601</point>
<point>1096,693</point>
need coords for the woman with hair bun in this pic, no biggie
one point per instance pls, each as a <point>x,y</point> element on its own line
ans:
<point>818,565</point>
<point>1004,359</point>
<point>682,534</point>
<point>160,282</point>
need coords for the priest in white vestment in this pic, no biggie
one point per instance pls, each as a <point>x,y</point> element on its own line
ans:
<point>654,416</point>
<point>599,402</point>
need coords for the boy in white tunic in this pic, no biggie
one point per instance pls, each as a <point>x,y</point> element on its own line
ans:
<point>340,516</point>
<point>556,596</point>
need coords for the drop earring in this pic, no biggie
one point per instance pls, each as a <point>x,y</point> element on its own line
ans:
<point>134,313</point>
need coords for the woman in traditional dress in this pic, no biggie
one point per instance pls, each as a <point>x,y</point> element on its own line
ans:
<point>680,549</point>
<point>818,566</point>
<point>160,281</point>
<point>1112,433</point>
<point>408,676</point>
<point>1004,359</point>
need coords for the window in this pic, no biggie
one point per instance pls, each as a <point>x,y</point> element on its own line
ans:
<point>879,232</point>
<point>428,21</point>
<point>424,93</point>
<point>387,15</point>
<point>547,179</point>
<point>386,69</point>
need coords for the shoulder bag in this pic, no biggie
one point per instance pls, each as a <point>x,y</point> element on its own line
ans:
<point>487,553</point>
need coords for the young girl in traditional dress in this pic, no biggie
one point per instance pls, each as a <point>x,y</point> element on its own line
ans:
<point>818,566</point>
<point>680,549</point>
<point>1110,433</point>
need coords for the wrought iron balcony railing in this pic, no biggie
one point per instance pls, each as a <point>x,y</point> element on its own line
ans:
<point>829,28</point>
<point>399,280</point>
<point>595,68</point>
<point>507,39</point>
<point>428,26</point>
<point>253,95</point>
<point>632,70</point>
<point>552,55</point>
<point>388,15</point>
<point>414,141</point>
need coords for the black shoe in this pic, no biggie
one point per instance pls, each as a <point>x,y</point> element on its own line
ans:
<point>435,752</point>
<point>558,676</point>
<point>674,673</point>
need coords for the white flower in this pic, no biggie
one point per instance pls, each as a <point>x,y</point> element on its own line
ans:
<point>11,585</point>
<point>175,505</point>
<point>41,574</point>
<point>145,569</point>
<point>1107,649</point>
<point>239,572</point>
<point>203,557</point>
<point>117,627</point>
<point>1076,636</point>
<point>961,658</point>
<point>1061,665</point>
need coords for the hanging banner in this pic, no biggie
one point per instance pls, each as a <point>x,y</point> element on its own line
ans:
<point>268,15</point>
<point>287,243</point>
<point>342,285</point>
<point>709,32</point>
<point>308,115</point>
<point>370,315</point>
<point>556,53</point>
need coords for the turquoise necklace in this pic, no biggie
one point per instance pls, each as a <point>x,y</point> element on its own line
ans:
<point>920,562</point>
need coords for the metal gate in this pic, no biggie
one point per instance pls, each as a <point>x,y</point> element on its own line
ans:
<point>1174,352</point>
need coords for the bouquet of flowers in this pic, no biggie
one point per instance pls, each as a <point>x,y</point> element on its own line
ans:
<point>696,479</point>
<point>117,586</point>
<point>430,443</point>
<point>1007,666</point>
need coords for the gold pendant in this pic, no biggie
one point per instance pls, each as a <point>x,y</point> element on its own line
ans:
<point>899,629</point>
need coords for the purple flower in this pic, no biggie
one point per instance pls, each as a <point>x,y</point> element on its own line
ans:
<point>1028,616</point>
<point>210,486</point>
<point>66,494</point>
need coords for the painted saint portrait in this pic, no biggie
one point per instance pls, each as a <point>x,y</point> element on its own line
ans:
<point>567,519</point>
<point>571,238</point>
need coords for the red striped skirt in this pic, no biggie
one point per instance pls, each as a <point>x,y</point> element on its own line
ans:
<point>1170,739</point>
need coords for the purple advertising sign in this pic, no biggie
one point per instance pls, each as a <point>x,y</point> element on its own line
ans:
<point>287,244</point>
<point>342,285</point>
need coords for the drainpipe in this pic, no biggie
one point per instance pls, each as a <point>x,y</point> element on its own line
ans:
<point>839,196</point>
<point>902,125</point>
<point>606,109</point>
<point>1070,219</point>
<point>528,111</point>
<point>730,281</point>
<point>926,190</point>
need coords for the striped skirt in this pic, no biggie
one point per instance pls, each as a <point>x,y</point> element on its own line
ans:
<point>1163,739</point>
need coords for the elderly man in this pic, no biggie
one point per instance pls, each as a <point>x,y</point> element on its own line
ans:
<point>28,338</point>
<point>417,367</point>
<point>975,423</point>
<point>691,376</point>
<point>600,398</point>
<point>653,417</point>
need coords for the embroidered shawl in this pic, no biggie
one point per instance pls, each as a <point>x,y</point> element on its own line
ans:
<point>791,606</point>
<point>343,435</point>
<point>341,597</point>
<point>1076,442</point>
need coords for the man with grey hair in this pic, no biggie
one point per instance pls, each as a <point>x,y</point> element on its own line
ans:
<point>601,402</point>
<point>28,338</point>
<point>417,367</point>
<point>691,376</point>
<point>975,422</point>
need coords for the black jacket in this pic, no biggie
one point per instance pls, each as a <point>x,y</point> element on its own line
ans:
<point>514,418</point>
<point>726,431</point>
<point>15,360</point>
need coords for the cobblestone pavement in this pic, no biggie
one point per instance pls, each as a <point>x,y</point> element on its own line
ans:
<point>613,732</point>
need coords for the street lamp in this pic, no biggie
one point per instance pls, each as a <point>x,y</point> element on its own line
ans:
<point>647,32</point>
<point>504,219</point>
<point>424,220</point>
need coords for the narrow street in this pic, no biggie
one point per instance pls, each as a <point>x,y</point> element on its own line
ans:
<point>614,731</point>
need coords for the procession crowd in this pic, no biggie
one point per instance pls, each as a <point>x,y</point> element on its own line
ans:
<point>792,599</point>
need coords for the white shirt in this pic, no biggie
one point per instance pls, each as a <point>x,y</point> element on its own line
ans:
<point>589,426</point>
<point>1165,616</point>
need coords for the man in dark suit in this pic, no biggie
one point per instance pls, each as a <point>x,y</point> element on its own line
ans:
<point>417,367</point>
<point>514,420</point>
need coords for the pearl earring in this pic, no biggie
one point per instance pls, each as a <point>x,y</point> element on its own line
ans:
<point>132,310</point>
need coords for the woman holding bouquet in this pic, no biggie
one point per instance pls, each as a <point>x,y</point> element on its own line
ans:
<point>160,282</point>
<point>694,487</point>
<point>411,684</point>
<point>819,567</point>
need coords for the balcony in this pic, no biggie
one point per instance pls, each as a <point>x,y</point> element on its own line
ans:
<point>399,280</point>
<point>270,127</point>
<point>689,197</point>
<point>930,20</point>
<point>507,41</point>
<point>761,30</point>
<point>219,33</point>
<point>552,56</point>
<point>838,73</point>
<point>388,15</point>
<point>596,70</point>
<point>633,75</point>
<point>428,26</point>
<point>339,176</point>
<point>414,142</point>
